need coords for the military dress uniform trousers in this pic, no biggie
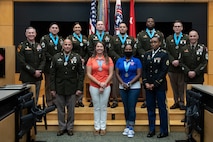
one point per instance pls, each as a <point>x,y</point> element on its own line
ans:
<point>63,101</point>
<point>151,97</point>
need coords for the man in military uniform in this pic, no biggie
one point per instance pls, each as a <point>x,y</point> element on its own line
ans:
<point>79,43</point>
<point>101,36</point>
<point>52,44</point>
<point>143,43</point>
<point>116,51</point>
<point>155,68</point>
<point>66,81</point>
<point>32,60</point>
<point>174,45</point>
<point>194,59</point>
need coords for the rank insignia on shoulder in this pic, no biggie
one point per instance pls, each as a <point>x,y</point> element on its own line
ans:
<point>163,50</point>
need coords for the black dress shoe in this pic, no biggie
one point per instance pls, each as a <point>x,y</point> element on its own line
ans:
<point>76,104</point>
<point>91,104</point>
<point>61,132</point>
<point>182,107</point>
<point>183,120</point>
<point>81,104</point>
<point>174,106</point>
<point>162,135</point>
<point>69,132</point>
<point>114,105</point>
<point>151,134</point>
<point>108,105</point>
<point>143,105</point>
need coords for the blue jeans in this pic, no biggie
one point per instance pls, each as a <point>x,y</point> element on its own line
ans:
<point>129,99</point>
<point>151,97</point>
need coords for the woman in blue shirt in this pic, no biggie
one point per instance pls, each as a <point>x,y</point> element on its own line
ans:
<point>128,73</point>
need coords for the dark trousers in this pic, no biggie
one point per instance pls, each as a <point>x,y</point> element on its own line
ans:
<point>130,99</point>
<point>151,97</point>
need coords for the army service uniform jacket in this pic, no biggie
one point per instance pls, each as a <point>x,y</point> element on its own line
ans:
<point>117,49</point>
<point>155,69</point>
<point>80,48</point>
<point>93,39</point>
<point>143,42</point>
<point>66,78</point>
<point>31,58</point>
<point>175,50</point>
<point>194,60</point>
<point>50,50</point>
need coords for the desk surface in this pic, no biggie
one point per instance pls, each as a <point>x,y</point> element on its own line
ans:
<point>204,88</point>
<point>4,94</point>
<point>9,90</point>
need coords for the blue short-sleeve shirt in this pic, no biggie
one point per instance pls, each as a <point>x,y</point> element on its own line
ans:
<point>135,64</point>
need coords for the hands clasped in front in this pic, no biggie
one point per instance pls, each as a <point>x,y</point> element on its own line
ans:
<point>102,87</point>
<point>149,86</point>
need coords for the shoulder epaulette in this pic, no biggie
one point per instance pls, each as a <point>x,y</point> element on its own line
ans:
<point>163,50</point>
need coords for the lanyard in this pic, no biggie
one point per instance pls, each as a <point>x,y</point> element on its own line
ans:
<point>149,33</point>
<point>79,38</point>
<point>100,63</point>
<point>123,39</point>
<point>177,40</point>
<point>127,65</point>
<point>100,38</point>
<point>55,41</point>
<point>66,57</point>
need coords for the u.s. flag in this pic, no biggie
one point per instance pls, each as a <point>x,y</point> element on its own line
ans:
<point>93,17</point>
<point>118,16</point>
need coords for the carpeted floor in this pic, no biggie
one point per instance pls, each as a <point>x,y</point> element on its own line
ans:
<point>109,137</point>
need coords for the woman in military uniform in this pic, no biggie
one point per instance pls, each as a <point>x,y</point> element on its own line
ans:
<point>155,68</point>
<point>79,43</point>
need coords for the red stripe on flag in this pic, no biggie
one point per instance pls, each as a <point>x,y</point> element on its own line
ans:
<point>132,28</point>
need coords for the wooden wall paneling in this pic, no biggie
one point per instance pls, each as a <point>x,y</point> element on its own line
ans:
<point>7,130</point>
<point>210,62</point>
<point>210,79</point>
<point>6,22</point>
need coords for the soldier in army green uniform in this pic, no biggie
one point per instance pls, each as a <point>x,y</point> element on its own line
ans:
<point>66,82</point>
<point>174,45</point>
<point>116,51</point>
<point>79,43</point>
<point>100,36</point>
<point>32,60</point>
<point>194,59</point>
<point>52,44</point>
<point>143,43</point>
